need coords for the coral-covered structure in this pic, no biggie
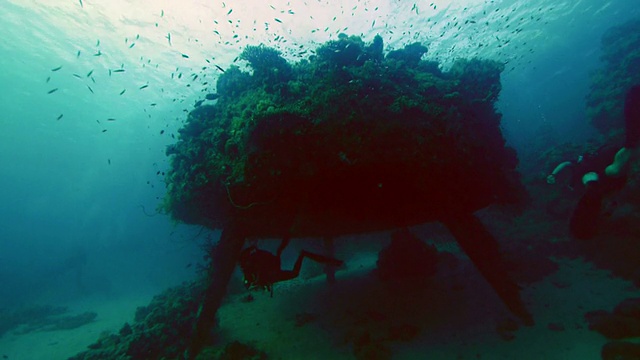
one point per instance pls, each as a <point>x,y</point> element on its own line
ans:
<point>346,141</point>
<point>620,70</point>
<point>347,134</point>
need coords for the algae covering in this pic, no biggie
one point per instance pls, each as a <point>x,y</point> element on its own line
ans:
<point>620,70</point>
<point>351,139</point>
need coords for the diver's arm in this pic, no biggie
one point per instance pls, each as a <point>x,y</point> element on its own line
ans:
<point>551,179</point>
<point>621,161</point>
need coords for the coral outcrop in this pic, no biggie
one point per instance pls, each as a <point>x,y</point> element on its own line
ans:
<point>620,70</point>
<point>340,135</point>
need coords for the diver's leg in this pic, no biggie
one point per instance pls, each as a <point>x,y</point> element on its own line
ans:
<point>585,217</point>
<point>322,259</point>
<point>224,256</point>
<point>287,275</point>
<point>483,250</point>
<point>584,220</point>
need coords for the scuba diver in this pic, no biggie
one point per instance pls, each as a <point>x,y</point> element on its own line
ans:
<point>262,269</point>
<point>603,171</point>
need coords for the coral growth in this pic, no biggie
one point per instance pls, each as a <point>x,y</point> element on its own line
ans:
<point>344,132</point>
<point>621,70</point>
<point>159,331</point>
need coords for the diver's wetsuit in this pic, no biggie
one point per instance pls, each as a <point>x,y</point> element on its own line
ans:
<point>593,161</point>
<point>584,220</point>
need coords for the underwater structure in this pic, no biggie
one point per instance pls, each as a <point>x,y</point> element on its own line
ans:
<point>349,140</point>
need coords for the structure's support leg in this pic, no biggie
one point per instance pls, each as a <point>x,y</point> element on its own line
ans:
<point>330,252</point>
<point>224,257</point>
<point>483,249</point>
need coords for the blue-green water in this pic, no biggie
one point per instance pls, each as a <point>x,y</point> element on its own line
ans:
<point>93,91</point>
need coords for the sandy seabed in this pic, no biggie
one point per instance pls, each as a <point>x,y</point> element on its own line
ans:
<point>455,316</point>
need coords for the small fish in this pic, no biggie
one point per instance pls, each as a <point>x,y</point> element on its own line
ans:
<point>111,119</point>
<point>118,70</point>
<point>219,68</point>
<point>98,43</point>
<point>137,36</point>
<point>198,103</point>
<point>229,12</point>
<point>56,69</point>
<point>153,104</point>
<point>104,130</point>
<point>98,53</point>
<point>109,161</point>
<point>78,76</point>
<point>123,91</point>
<point>211,96</point>
<point>78,54</point>
<point>81,4</point>
<point>59,116</point>
<point>48,79</point>
<point>277,20</point>
<point>169,38</point>
<point>161,13</point>
<point>90,89</point>
<point>94,80</point>
<point>144,86</point>
<point>132,45</point>
<point>185,56</point>
<point>161,132</point>
<point>90,72</point>
<point>52,91</point>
